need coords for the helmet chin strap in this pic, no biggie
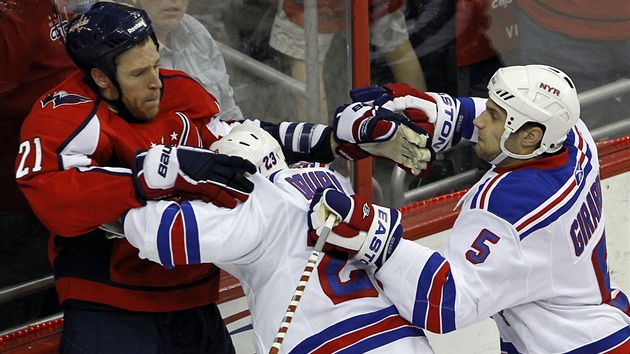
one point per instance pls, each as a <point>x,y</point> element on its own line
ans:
<point>497,160</point>
<point>505,152</point>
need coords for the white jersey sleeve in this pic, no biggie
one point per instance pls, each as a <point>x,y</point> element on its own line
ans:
<point>193,232</point>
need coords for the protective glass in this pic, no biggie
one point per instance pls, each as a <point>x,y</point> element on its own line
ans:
<point>67,9</point>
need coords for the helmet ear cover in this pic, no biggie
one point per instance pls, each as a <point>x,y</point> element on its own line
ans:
<point>255,145</point>
<point>539,94</point>
<point>96,37</point>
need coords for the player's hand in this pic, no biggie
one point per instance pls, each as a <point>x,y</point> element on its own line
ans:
<point>192,173</point>
<point>437,112</point>
<point>368,232</point>
<point>362,130</point>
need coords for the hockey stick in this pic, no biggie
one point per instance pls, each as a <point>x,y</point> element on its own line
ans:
<point>306,275</point>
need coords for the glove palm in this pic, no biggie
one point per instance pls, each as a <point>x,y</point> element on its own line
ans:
<point>362,130</point>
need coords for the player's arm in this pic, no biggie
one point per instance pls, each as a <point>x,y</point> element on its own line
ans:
<point>193,232</point>
<point>352,136</point>
<point>72,194</point>
<point>481,273</point>
<point>299,141</point>
<point>474,281</point>
<point>66,188</point>
<point>451,117</point>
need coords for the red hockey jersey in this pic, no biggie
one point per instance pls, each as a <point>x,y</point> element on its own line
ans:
<point>73,166</point>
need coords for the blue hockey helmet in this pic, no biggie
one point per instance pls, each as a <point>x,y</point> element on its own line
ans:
<point>96,37</point>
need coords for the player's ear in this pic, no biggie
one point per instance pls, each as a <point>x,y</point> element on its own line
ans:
<point>106,86</point>
<point>532,137</point>
<point>100,78</point>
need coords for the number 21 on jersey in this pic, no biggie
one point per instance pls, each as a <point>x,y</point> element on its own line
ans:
<point>25,151</point>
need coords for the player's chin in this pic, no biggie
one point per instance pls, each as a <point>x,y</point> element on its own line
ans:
<point>484,153</point>
<point>148,112</point>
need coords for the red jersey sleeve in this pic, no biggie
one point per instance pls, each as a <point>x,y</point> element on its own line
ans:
<point>59,167</point>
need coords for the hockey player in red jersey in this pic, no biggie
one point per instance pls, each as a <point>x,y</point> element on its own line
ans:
<point>78,168</point>
<point>529,246</point>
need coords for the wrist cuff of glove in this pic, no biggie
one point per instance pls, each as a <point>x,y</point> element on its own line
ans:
<point>137,184</point>
<point>383,237</point>
<point>350,151</point>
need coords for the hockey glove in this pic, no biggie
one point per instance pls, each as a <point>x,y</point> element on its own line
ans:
<point>362,130</point>
<point>368,232</point>
<point>445,113</point>
<point>192,173</point>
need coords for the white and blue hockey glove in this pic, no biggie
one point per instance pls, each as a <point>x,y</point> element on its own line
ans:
<point>446,114</point>
<point>368,232</point>
<point>192,173</point>
<point>362,130</point>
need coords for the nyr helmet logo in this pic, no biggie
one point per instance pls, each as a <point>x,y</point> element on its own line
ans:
<point>548,88</point>
<point>61,98</point>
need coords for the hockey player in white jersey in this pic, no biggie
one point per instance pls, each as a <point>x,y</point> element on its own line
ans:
<point>263,242</point>
<point>529,246</point>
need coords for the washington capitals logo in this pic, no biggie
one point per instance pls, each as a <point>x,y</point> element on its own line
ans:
<point>61,98</point>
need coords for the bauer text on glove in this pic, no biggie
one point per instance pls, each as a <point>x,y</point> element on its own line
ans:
<point>192,173</point>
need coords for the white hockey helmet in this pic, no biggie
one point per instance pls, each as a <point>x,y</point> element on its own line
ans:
<point>536,93</point>
<point>255,145</point>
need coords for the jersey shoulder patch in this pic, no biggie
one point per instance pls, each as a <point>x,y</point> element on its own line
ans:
<point>61,98</point>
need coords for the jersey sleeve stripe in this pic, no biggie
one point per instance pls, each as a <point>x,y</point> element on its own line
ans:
<point>286,133</point>
<point>178,240</point>
<point>367,344</point>
<point>620,301</point>
<point>164,235</point>
<point>435,296</point>
<point>305,137</point>
<point>193,248</point>
<point>365,328</point>
<point>616,343</point>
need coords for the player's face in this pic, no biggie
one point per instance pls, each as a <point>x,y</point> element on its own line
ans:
<point>137,73</point>
<point>165,14</point>
<point>490,125</point>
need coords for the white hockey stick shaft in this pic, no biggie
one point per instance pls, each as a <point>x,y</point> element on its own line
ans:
<point>306,275</point>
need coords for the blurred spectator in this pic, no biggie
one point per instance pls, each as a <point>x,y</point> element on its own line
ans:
<point>185,44</point>
<point>32,60</point>
<point>487,37</point>
<point>587,39</point>
<point>388,33</point>
<point>432,35</point>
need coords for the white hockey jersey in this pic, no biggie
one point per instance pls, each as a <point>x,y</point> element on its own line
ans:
<point>528,249</point>
<point>263,243</point>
